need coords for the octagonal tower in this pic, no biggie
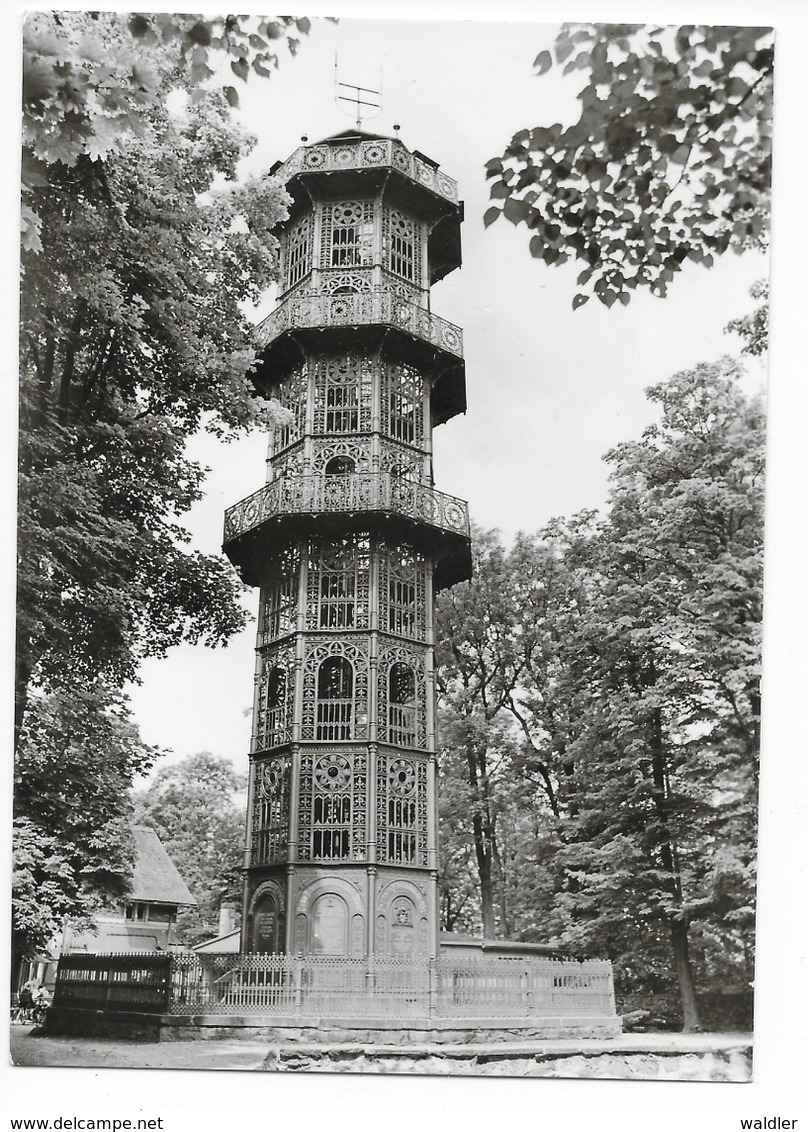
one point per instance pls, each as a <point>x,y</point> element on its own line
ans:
<point>349,541</point>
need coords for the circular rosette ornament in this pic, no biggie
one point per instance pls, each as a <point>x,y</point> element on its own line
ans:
<point>270,779</point>
<point>401,777</point>
<point>333,772</point>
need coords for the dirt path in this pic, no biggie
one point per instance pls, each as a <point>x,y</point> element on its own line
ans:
<point>676,1057</point>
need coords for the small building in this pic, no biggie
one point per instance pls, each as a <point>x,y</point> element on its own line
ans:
<point>145,920</point>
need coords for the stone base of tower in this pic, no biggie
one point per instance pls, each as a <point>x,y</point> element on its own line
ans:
<point>352,912</point>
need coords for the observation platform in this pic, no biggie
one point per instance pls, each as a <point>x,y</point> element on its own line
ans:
<point>371,320</point>
<point>299,504</point>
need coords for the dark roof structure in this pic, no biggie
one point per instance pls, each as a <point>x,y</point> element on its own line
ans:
<point>156,877</point>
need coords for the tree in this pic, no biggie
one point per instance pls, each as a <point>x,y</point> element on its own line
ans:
<point>124,354</point>
<point>191,806</point>
<point>473,682</point>
<point>141,253</point>
<point>73,847</point>
<point>627,651</point>
<point>669,160</point>
<point>89,78</point>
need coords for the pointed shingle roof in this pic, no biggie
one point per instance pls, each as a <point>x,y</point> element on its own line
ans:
<point>156,877</point>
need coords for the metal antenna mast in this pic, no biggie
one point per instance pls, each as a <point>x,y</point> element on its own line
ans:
<point>356,97</point>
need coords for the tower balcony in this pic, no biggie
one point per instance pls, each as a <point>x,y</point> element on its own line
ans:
<point>315,311</point>
<point>357,153</point>
<point>291,505</point>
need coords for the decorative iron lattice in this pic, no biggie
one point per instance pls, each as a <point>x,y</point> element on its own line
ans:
<point>379,307</point>
<point>333,804</point>
<point>402,243</point>
<point>313,986</point>
<point>401,809</point>
<point>278,609</point>
<point>276,696</point>
<point>403,404</point>
<point>334,281</point>
<point>338,596</point>
<point>402,462</point>
<point>346,233</point>
<point>290,462</point>
<point>364,491</point>
<point>402,591</point>
<point>270,817</point>
<point>343,395</point>
<point>292,395</point>
<point>365,155</point>
<point>326,454</point>
<point>297,252</point>
<point>352,720</point>
<point>402,697</point>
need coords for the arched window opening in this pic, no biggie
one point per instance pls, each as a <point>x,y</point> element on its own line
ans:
<point>335,699</point>
<point>340,466</point>
<point>402,707</point>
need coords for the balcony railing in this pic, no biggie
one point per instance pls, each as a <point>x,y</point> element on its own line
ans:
<point>384,153</point>
<point>314,310</point>
<point>359,492</point>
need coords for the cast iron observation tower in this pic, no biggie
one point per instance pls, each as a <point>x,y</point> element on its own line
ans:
<point>349,541</point>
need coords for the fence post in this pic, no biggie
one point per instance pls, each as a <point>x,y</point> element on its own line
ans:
<point>297,972</point>
<point>433,988</point>
<point>528,996</point>
<point>108,987</point>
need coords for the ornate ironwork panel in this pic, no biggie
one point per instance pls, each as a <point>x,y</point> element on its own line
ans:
<point>402,241</point>
<point>270,817</point>
<point>402,696</point>
<point>292,396</point>
<point>403,404</point>
<point>338,595</point>
<point>276,693</point>
<point>333,804</point>
<point>402,591</point>
<point>401,809</point>
<point>335,717</point>
<point>343,395</point>
<point>278,610</point>
<point>340,457</point>
<point>335,281</point>
<point>298,252</point>
<point>346,233</point>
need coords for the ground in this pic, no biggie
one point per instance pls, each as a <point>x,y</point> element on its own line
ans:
<point>675,1057</point>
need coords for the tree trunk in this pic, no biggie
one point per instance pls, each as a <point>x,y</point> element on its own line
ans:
<point>684,975</point>
<point>22,680</point>
<point>482,852</point>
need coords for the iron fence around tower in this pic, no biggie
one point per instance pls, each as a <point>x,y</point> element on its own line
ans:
<point>310,987</point>
<point>449,987</point>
